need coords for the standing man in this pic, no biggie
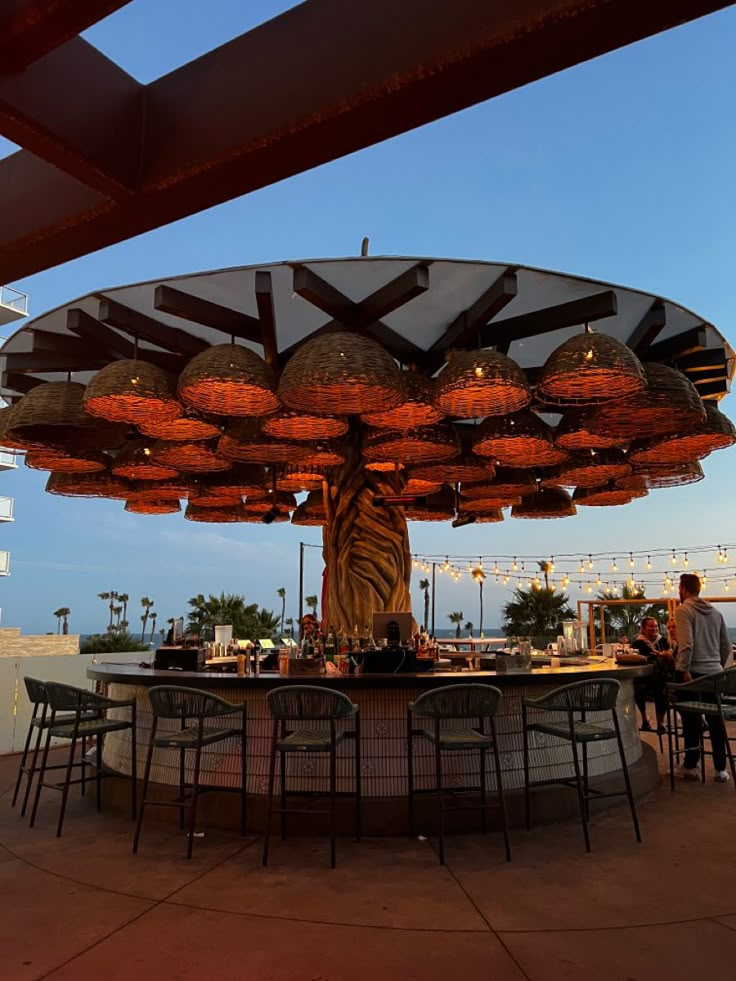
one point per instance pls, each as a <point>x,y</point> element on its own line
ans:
<point>703,648</point>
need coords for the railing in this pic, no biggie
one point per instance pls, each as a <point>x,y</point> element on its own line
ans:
<point>7,459</point>
<point>13,299</point>
<point>6,508</point>
<point>4,563</point>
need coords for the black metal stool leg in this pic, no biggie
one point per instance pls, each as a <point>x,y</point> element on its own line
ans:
<point>24,757</point>
<point>333,793</point>
<point>440,798</point>
<point>67,779</point>
<point>500,791</point>
<point>271,781</point>
<point>627,778</point>
<point>41,775</point>
<point>358,788</point>
<point>83,783</point>
<point>146,778</point>
<point>133,764</point>
<point>670,715</point>
<point>32,770</point>
<point>527,809</point>
<point>193,804</point>
<point>410,770</point>
<point>182,774</point>
<point>98,770</point>
<point>579,782</point>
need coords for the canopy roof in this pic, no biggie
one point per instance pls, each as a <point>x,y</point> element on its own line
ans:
<point>417,308</point>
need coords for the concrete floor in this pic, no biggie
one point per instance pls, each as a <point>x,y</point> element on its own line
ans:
<point>84,908</point>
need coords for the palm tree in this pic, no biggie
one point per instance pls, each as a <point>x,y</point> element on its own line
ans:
<point>626,620</point>
<point>124,599</point>
<point>545,568</point>
<point>146,603</point>
<point>424,586</point>
<point>110,597</point>
<point>281,593</point>
<point>117,611</point>
<point>248,622</point>
<point>457,618</point>
<point>469,628</point>
<point>62,611</point>
<point>154,617</point>
<point>536,612</point>
<point>311,602</point>
<point>290,625</point>
<point>480,577</point>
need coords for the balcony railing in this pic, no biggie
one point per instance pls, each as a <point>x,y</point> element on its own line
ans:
<point>6,508</point>
<point>4,563</point>
<point>14,299</point>
<point>8,460</point>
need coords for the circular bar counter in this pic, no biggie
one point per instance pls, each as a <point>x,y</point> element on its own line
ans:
<point>383,705</point>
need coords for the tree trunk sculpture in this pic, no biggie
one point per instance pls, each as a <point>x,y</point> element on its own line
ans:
<point>365,548</point>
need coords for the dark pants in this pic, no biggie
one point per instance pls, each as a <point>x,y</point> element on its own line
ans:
<point>655,688</point>
<point>692,728</point>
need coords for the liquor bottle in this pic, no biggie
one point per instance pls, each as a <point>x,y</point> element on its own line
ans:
<point>355,645</point>
<point>330,645</point>
<point>343,645</point>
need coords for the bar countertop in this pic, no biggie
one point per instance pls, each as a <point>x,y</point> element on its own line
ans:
<point>133,674</point>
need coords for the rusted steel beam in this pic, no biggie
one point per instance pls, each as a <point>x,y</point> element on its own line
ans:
<point>30,29</point>
<point>80,112</point>
<point>315,84</point>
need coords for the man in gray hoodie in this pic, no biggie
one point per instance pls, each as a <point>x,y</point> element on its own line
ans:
<point>703,648</point>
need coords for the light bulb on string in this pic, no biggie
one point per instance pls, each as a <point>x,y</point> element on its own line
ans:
<point>552,564</point>
<point>514,565</point>
<point>590,561</point>
<point>446,566</point>
<point>614,567</point>
<point>496,570</point>
<point>519,584</point>
<point>631,561</point>
<point>588,588</point>
<point>649,562</point>
<point>598,580</point>
<point>685,560</point>
<point>673,558</point>
<point>704,580</point>
<point>581,567</point>
<point>725,556</point>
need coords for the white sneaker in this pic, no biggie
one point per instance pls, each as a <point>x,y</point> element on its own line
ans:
<point>687,773</point>
<point>722,776</point>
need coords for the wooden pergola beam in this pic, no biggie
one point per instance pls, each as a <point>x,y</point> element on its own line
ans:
<point>586,310</point>
<point>695,339</point>
<point>307,87</point>
<point>20,383</point>
<point>196,310</point>
<point>697,362</point>
<point>651,324</point>
<point>463,331</point>
<point>140,325</point>
<point>267,317</point>
<point>712,389</point>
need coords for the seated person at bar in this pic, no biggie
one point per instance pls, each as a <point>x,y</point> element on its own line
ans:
<point>650,647</point>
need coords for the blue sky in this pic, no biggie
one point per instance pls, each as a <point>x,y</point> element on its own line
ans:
<point>619,169</point>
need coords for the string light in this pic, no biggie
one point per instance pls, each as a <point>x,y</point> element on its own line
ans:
<point>590,561</point>
<point>673,558</point>
<point>514,565</point>
<point>685,561</point>
<point>588,588</point>
<point>631,561</point>
<point>614,567</point>
<point>581,567</point>
<point>496,570</point>
<point>552,564</point>
<point>649,562</point>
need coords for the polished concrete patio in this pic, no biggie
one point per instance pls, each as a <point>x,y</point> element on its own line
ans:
<point>84,908</point>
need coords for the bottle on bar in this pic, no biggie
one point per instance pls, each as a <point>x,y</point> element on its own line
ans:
<point>355,644</point>
<point>330,646</point>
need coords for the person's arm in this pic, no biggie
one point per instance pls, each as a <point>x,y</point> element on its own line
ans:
<point>684,642</point>
<point>726,650</point>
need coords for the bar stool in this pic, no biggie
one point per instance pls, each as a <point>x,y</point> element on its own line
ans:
<point>451,704</point>
<point>196,707</point>
<point>87,719</point>
<point>307,704</point>
<point>578,699</point>
<point>712,697</point>
<point>40,720</point>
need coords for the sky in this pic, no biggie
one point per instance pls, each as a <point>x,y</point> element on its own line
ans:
<point>619,169</point>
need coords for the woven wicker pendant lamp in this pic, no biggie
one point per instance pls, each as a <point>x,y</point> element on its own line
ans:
<point>232,514</point>
<point>463,468</point>
<point>229,380</point>
<point>521,440</point>
<point>591,469</point>
<point>153,507</point>
<point>424,444</point>
<point>59,461</point>
<point>438,507</point>
<point>174,489</point>
<point>7,440</point>
<point>608,496</point>
<point>242,479</point>
<point>189,457</point>
<point>573,433</point>
<point>301,477</point>
<point>53,414</point>
<point>101,484</point>
<point>340,374</point>
<point>635,484</point>
<point>315,504</point>
<point>245,441</point>
<point>507,482</point>
<point>669,404</point>
<point>416,484</point>
<point>492,516</point>
<point>135,462</point>
<point>588,369</point>
<point>547,502</point>
<point>131,391</point>
<point>481,383</point>
<point>266,500</point>
<point>716,433</point>
<point>479,505</point>
<point>670,474</point>
<point>416,408</point>
<point>187,428</point>
<point>288,424</point>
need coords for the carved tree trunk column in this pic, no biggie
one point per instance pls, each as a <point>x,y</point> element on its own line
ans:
<point>365,548</point>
